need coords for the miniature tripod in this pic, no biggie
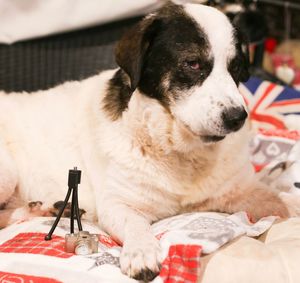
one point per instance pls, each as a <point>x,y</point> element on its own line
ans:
<point>73,181</point>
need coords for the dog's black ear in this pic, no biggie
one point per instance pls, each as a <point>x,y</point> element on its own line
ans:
<point>245,74</point>
<point>132,47</point>
<point>242,46</point>
<point>243,34</point>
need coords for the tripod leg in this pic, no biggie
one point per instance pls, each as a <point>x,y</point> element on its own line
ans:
<point>49,235</point>
<point>76,206</point>
<point>73,211</point>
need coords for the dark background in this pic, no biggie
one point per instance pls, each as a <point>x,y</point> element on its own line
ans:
<point>45,62</point>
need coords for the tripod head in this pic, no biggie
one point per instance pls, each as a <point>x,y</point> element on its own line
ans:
<point>74,178</point>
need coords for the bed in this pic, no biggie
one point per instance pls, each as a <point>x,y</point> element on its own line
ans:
<point>198,247</point>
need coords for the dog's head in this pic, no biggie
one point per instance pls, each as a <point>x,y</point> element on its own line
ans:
<point>191,59</point>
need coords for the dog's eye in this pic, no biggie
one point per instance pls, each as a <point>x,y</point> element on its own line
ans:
<point>194,65</point>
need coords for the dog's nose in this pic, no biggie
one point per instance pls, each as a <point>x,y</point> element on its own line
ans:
<point>234,118</point>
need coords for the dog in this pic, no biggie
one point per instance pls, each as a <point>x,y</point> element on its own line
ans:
<point>163,134</point>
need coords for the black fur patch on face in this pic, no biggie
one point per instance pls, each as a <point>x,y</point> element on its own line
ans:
<point>238,67</point>
<point>176,59</point>
<point>162,55</point>
<point>117,95</point>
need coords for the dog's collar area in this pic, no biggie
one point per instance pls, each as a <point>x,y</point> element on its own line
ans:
<point>209,139</point>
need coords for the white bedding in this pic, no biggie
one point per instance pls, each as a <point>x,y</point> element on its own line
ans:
<point>274,259</point>
<point>21,20</point>
<point>185,240</point>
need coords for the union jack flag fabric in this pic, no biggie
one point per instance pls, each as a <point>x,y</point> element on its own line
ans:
<point>269,103</point>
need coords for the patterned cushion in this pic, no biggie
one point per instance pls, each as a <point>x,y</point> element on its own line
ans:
<point>269,103</point>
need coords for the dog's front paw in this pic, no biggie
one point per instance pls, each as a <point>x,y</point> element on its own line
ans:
<point>141,257</point>
<point>35,208</point>
<point>273,207</point>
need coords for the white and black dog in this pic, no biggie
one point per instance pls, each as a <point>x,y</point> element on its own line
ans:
<point>163,134</point>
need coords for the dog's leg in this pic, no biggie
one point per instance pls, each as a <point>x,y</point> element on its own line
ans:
<point>141,254</point>
<point>12,215</point>
<point>8,175</point>
<point>258,201</point>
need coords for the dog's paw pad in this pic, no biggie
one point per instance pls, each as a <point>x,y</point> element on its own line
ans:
<point>34,206</point>
<point>59,204</point>
<point>2,205</point>
<point>141,259</point>
<point>146,275</point>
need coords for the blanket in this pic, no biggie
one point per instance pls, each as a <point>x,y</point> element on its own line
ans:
<point>191,245</point>
<point>26,256</point>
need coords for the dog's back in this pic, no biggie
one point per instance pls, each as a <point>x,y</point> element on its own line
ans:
<point>48,132</point>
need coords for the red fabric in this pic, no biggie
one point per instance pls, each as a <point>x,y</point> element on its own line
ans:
<point>292,135</point>
<point>270,44</point>
<point>6,277</point>
<point>34,243</point>
<point>182,264</point>
<point>284,103</point>
<point>296,81</point>
<point>259,167</point>
<point>107,241</point>
<point>267,119</point>
<point>255,115</point>
<point>280,59</point>
<point>275,133</point>
<point>266,93</point>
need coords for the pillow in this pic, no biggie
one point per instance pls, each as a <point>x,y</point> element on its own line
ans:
<point>269,104</point>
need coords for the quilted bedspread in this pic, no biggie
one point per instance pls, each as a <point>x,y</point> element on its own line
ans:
<point>207,247</point>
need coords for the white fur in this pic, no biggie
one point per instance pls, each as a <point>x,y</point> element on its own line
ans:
<point>145,166</point>
<point>49,132</point>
